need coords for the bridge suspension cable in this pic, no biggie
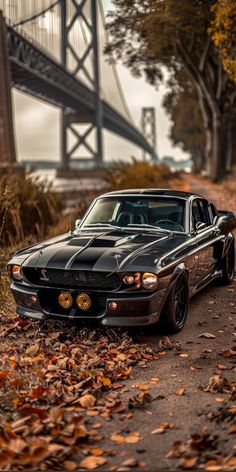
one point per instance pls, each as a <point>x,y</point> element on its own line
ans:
<point>36,15</point>
<point>114,68</point>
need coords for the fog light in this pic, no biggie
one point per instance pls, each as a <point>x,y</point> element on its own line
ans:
<point>83,301</point>
<point>113,305</point>
<point>33,299</point>
<point>65,300</point>
<point>128,279</point>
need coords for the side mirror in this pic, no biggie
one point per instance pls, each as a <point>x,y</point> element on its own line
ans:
<point>226,221</point>
<point>200,225</point>
<point>77,223</point>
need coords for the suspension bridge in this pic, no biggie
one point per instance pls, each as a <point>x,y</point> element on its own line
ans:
<point>54,51</point>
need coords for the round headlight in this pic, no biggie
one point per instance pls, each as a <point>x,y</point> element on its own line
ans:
<point>149,280</point>
<point>16,272</point>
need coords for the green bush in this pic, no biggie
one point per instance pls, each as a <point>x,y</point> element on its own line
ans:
<point>137,174</point>
<point>27,209</point>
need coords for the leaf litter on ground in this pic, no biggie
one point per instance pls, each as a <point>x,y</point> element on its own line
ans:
<point>53,382</point>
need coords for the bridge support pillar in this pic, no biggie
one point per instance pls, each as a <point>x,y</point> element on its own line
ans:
<point>81,136</point>
<point>148,123</point>
<point>7,142</point>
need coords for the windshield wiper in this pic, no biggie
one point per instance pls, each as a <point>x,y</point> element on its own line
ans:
<point>144,225</point>
<point>106,225</point>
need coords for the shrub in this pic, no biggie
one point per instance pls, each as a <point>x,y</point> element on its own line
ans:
<point>137,174</point>
<point>27,209</point>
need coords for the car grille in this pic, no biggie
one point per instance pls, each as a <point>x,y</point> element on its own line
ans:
<point>88,280</point>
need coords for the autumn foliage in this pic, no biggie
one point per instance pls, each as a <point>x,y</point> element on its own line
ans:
<point>154,35</point>
<point>223,32</point>
<point>137,174</point>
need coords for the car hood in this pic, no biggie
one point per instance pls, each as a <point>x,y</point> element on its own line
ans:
<point>110,250</point>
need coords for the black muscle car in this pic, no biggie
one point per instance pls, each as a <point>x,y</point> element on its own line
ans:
<point>135,258</point>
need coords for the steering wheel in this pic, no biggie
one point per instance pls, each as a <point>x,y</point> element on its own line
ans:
<point>165,221</point>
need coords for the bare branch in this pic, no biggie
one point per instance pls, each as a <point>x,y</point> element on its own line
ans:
<point>191,42</point>
<point>204,54</point>
<point>198,78</point>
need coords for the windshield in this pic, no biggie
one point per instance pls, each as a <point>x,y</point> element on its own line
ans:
<point>146,213</point>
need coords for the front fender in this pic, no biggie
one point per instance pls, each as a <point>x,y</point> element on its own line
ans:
<point>178,270</point>
<point>226,243</point>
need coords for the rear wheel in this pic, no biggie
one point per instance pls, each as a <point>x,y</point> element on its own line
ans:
<point>228,265</point>
<point>175,310</point>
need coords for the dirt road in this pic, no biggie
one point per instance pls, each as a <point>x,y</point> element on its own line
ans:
<point>181,374</point>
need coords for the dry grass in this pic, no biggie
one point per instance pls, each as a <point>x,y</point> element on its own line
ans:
<point>27,209</point>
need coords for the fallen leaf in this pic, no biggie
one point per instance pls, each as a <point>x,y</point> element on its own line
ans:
<point>158,431</point>
<point>87,401</point>
<point>131,462</point>
<point>188,462</point>
<point>92,462</point>
<point>70,466</point>
<point>222,367</point>
<point>133,437</point>
<point>218,384</point>
<point>96,451</point>
<point>180,391</point>
<point>206,335</point>
<point>130,439</point>
<point>232,429</point>
<point>141,387</point>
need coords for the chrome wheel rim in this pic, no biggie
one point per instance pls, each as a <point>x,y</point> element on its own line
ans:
<point>180,301</point>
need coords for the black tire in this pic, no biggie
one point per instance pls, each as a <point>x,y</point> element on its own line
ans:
<point>228,265</point>
<point>175,310</point>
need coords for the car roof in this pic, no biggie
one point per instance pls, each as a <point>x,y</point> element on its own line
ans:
<point>154,192</point>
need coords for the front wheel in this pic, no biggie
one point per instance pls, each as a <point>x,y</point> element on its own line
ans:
<point>175,310</point>
<point>228,265</point>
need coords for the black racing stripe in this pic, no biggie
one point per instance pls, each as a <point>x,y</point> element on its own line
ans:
<point>88,258</point>
<point>53,257</point>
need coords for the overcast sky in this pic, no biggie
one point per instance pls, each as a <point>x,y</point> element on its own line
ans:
<point>37,125</point>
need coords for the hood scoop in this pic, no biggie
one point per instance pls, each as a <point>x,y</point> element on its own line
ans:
<point>79,242</point>
<point>112,240</point>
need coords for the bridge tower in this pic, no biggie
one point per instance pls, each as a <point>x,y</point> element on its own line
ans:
<point>7,143</point>
<point>148,125</point>
<point>81,125</point>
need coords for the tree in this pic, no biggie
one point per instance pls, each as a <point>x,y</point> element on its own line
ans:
<point>223,33</point>
<point>150,34</point>
<point>181,104</point>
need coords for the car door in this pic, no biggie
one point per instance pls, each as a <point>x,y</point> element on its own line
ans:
<point>205,236</point>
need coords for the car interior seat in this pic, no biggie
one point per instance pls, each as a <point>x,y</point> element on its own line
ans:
<point>124,218</point>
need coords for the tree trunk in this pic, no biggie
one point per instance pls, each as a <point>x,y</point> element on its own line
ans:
<point>198,160</point>
<point>217,146</point>
<point>233,162</point>
<point>207,125</point>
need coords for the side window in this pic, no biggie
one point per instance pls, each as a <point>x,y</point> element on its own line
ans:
<point>213,210</point>
<point>200,212</point>
<point>196,212</point>
<point>204,212</point>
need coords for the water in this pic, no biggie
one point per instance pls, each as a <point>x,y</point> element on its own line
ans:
<point>66,185</point>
